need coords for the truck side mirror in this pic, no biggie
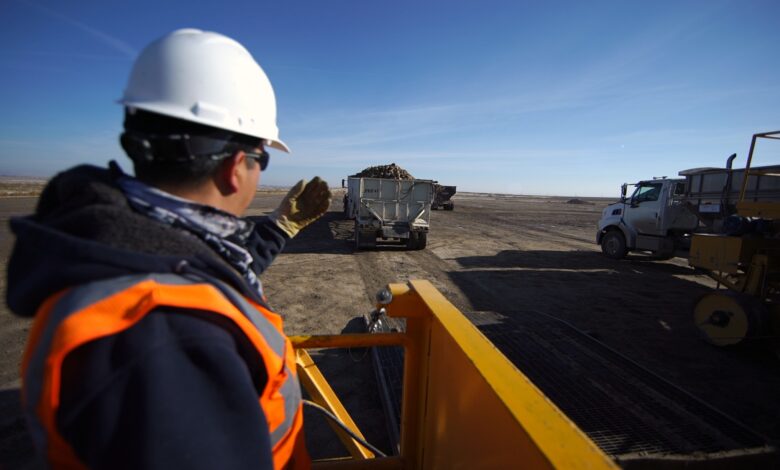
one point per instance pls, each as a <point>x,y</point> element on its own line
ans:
<point>342,183</point>
<point>623,189</point>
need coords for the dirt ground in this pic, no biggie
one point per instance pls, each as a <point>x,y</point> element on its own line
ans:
<point>493,253</point>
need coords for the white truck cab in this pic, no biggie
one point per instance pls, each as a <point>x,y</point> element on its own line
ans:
<point>653,219</point>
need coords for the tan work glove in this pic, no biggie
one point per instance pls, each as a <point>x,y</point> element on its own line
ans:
<point>305,203</point>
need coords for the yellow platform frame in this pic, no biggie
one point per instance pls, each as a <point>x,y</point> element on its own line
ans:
<point>763,209</point>
<point>465,405</point>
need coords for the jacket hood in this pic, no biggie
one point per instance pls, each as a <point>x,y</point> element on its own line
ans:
<point>84,230</point>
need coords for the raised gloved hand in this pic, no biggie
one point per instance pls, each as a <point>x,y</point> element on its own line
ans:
<point>305,203</point>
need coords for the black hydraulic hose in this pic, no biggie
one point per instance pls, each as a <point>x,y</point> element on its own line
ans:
<point>345,428</point>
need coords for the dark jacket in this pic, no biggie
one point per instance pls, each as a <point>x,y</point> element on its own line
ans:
<point>174,391</point>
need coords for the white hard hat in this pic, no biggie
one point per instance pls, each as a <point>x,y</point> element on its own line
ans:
<point>207,78</point>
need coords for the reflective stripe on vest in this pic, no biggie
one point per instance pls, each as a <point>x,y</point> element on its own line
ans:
<point>104,308</point>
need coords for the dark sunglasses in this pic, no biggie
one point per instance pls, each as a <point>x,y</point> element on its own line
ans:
<point>261,158</point>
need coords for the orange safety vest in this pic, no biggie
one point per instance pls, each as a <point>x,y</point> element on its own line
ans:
<point>86,313</point>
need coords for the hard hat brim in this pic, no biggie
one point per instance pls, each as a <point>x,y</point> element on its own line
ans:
<point>278,145</point>
<point>167,110</point>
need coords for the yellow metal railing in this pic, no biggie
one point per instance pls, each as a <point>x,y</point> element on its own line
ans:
<point>464,404</point>
<point>764,209</point>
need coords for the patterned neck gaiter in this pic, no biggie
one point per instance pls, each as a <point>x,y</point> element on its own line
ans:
<point>225,233</point>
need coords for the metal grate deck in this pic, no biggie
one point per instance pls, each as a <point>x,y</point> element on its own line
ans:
<point>624,408</point>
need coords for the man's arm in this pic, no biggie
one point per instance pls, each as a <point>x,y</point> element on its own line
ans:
<point>265,243</point>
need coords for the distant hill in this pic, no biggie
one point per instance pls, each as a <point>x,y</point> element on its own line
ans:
<point>19,186</point>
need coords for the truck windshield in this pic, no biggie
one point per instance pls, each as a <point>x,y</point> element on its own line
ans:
<point>647,192</point>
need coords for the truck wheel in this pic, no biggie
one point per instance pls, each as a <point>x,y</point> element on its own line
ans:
<point>346,207</point>
<point>613,244</point>
<point>357,237</point>
<point>412,241</point>
<point>727,318</point>
<point>449,206</point>
<point>422,240</point>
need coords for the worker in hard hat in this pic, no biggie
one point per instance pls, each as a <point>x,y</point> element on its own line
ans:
<point>153,345</point>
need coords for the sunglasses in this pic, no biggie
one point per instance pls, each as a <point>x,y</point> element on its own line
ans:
<point>262,158</point>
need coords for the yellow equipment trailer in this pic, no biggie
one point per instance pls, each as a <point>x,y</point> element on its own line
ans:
<point>746,262</point>
<point>464,404</point>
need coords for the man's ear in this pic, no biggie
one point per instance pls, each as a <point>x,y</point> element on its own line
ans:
<point>229,175</point>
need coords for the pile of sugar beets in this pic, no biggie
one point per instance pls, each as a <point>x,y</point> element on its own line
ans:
<point>391,171</point>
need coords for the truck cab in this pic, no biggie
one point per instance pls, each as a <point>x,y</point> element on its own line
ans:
<point>653,219</point>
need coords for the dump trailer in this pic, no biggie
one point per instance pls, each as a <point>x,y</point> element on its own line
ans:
<point>464,405</point>
<point>389,210</point>
<point>744,259</point>
<point>442,197</point>
<point>662,214</point>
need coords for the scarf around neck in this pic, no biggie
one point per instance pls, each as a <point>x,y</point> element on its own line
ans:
<point>224,233</point>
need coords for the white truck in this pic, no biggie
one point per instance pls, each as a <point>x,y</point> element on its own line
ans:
<point>661,214</point>
<point>389,210</point>
<point>655,218</point>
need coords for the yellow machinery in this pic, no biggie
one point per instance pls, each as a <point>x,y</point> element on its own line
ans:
<point>464,404</point>
<point>746,263</point>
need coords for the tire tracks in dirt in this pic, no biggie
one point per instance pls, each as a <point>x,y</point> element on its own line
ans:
<point>382,266</point>
<point>534,233</point>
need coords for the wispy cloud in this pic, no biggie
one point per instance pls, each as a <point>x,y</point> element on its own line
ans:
<point>667,136</point>
<point>105,38</point>
<point>30,67</point>
<point>19,143</point>
<point>638,55</point>
<point>615,79</point>
<point>362,127</point>
<point>69,55</point>
<point>296,68</point>
<point>452,159</point>
<point>354,128</point>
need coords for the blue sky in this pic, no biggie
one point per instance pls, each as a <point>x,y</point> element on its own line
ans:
<point>523,97</point>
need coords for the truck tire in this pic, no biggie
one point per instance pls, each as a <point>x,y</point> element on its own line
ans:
<point>422,240</point>
<point>727,318</point>
<point>613,244</point>
<point>412,241</point>
<point>357,237</point>
<point>449,206</point>
<point>346,207</point>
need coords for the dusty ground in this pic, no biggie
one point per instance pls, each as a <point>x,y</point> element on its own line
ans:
<point>493,253</point>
